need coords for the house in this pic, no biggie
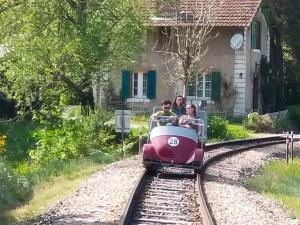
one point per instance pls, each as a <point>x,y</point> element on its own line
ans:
<point>246,32</point>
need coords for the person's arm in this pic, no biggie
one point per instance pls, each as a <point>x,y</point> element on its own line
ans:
<point>181,121</point>
<point>173,117</point>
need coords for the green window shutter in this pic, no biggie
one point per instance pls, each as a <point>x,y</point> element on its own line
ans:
<point>253,35</point>
<point>191,89</point>
<point>125,90</point>
<point>151,84</point>
<point>215,86</point>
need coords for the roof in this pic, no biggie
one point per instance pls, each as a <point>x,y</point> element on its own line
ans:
<point>231,13</point>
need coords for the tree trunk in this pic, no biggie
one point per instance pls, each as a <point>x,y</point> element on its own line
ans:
<point>86,98</point>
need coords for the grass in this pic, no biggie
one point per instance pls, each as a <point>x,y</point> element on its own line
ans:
<point>54,188</point>
<point>55,181</point>
<point>237,131</point>
<point>281,182</point>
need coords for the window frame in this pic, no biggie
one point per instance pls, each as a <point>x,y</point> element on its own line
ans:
<point>196,85</point>
<point>140,86</point>
<point>138,82</point>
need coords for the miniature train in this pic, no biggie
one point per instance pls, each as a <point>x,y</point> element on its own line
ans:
<point>171,145</point>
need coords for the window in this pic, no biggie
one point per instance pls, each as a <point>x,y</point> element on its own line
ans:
<point>255,34</point>
<point>204,86</point>
<point>201,87</point>
<point>139,85</point>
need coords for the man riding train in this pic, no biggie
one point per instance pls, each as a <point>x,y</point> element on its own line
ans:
<point>167,117</point>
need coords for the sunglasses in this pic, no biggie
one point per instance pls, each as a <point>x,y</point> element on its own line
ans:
<point>167,107</point>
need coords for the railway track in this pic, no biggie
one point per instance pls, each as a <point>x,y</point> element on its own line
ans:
<point>175,195</point>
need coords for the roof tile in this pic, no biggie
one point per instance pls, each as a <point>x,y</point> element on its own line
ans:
<point>233,13</point>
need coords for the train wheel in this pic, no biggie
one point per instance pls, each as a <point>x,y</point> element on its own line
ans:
<point>198,170</point>
<point>197,166</point>
<point>149,167</point>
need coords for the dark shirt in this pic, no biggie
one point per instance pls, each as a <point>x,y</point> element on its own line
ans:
<point>179,111</point>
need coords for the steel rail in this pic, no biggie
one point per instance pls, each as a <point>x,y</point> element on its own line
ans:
<point>238,150</point>
<point>207,218</point>
<point>128,213</point>
<point>271,141</point>
<point>212,146</point>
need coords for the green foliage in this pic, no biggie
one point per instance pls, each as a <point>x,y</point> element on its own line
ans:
<point>236,131</point>
<point>72,139</point>
<point>132,139</point>
<point>56,49</point>
<point>2,144</point>
<point>287,16</point>
<point>19,139</point>
<point>271,87</point>
<point>7,109</point>
<point>282,125</point>
<point>13,189</point>
<point>282,181</point>
<point>294,114</point>
<point>259,123</point>
<point>217,127</point>
<point>220,129</point>
<point>140,118</point>
<point>58,151</point>
<point>235,119</point>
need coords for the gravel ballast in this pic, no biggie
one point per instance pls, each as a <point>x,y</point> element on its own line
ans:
<point>231,202</point>
<point>101,199</point>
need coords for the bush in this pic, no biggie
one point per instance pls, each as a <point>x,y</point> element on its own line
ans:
<point>235,119</point>
<point>19,139</point>
<point>217,127</point>
<point>2,144</point>
<point>132,139</point>
<point>259,123</point>
<point>237,131</point>
<point>294,114</point>
<point>8,108</point>
<point>13,188</point>
<point>73,139</point>
<point>141,118</point>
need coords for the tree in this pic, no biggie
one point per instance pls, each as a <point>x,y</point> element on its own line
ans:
<point>287,13</point>
<point>190,26</point>
<point>57,48</point>
<point>6,5</point>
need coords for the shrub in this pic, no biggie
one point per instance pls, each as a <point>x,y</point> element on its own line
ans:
<point>8,108</point>
<point>236,131</point>
<point>259,123</point>
<point>217,127</point>
<point>13,188</point>
<point>235,119</point>
<point>2,145</point>
<point>132,139</point>
<point>141,118</point>
<point>72,139</point>
<point>294,114</point>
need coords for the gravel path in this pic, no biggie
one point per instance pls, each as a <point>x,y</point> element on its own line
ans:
<point>231,202</point>
<point>101,199</point>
